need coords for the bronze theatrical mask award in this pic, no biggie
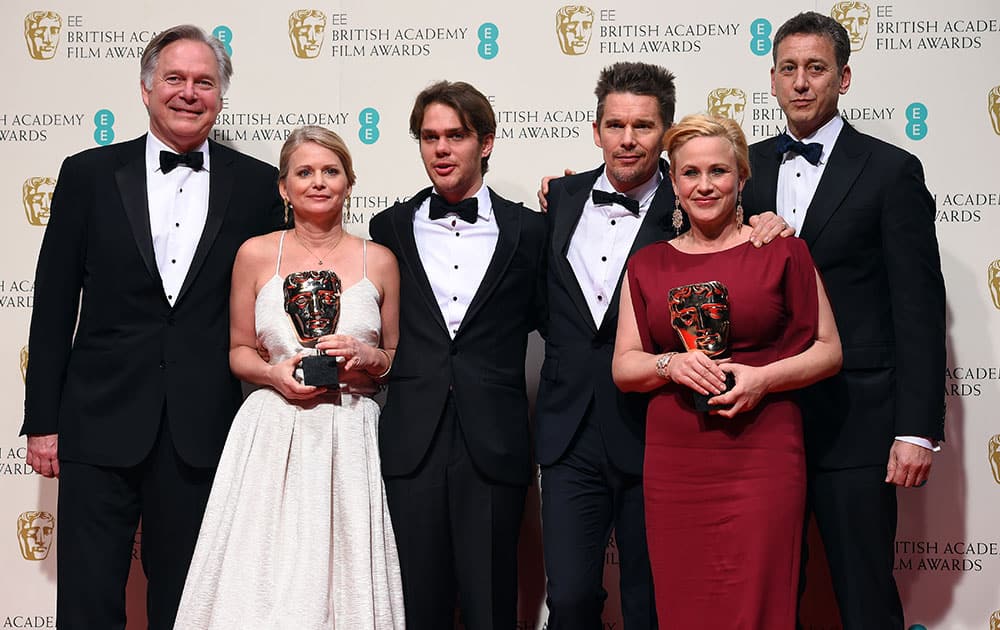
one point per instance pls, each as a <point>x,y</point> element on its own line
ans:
<point>312,301</point>
<point>700,314</point>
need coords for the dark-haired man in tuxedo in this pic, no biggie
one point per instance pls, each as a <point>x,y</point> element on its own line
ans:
<point>131,411</point>
<point>863,208</point>
<point>590,436</point>
<point>454,433</point>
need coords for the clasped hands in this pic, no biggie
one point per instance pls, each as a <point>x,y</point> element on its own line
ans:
<point>359,365</point>
<point>706,376</point>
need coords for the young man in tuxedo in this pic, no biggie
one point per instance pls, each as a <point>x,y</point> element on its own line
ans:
<point>590,436</point>
<point>454,433</point>
<point>131,411</point>
<point>863,208</point>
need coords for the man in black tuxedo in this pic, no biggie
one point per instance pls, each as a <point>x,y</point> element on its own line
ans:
<point>454,432</point>
<point>862,206</point>
<point>132,411</point>
<point>589,435</point>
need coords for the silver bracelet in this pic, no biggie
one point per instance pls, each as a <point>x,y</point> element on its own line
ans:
<point>662,363</point>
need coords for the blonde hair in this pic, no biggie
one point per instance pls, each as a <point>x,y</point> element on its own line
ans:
<point>708,126</point>
<point>324,138</point>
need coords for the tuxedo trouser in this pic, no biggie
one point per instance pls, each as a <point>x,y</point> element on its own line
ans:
<point>456,531</point>
<point>856,514</point>
<point>583,495</point>
<point>99,511</point>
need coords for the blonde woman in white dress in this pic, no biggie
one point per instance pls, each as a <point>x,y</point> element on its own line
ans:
<point>297,533</point>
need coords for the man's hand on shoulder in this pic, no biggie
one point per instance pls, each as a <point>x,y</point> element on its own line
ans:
<point>543,190</point>
<point>43,454</point>
<point>909,464</point>
<point>768,226</point>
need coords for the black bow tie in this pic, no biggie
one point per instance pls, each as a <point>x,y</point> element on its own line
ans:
<point>602,198</point>
<point>810,152</point>
<point>170,160</point>
<point>466,209</point>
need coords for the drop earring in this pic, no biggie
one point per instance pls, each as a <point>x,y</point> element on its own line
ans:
<point>739,211</point>
<point>678,217</point>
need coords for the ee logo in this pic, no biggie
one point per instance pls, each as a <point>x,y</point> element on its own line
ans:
<point>916,115</point>
<point>760,43</point>
<point>368,133</point>
<point>225,35</point>
<point>104,122</point>
<point>488,34</point>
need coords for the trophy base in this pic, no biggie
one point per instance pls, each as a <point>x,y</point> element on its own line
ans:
<point>320,371</point>
<point>701,401</point>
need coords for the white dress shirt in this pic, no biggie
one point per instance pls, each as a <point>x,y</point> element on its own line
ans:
<point>602,240</point>
<point>455,255</point>
<point>798,179</point>
<point>797,183</point>
<point>178,206</point>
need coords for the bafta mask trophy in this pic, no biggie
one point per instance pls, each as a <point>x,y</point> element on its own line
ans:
<point>35,534</point>
<point>37,196</point>
<point>574,25</point>
<point>994,451</point>
<point>312,301</point>
<point>41,32</point>
<point>993,282</point>
<point>306,29</point>
<point>700,314</point>
<point>728,102</point>
<point>993,106</point>
<point>854,17</point>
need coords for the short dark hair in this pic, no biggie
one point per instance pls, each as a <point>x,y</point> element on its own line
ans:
<point>813,23</point>
<point>644,79</point>
<point>151,55</point>
<point>473,109</point>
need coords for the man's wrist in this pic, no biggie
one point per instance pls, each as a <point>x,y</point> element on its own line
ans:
<point>931,445</point>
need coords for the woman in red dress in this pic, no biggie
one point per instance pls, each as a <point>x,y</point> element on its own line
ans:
<point>724,489</point>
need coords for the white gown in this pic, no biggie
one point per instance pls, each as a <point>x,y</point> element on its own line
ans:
<point>297,534</point>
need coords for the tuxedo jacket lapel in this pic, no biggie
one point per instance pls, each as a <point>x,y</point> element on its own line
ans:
<point>402,225</point>
<point>220,190</point>
<point>131,178</point>
<point>508,218</point>
<point>566,218</point>
<point>654,224</point>
<point>847,161</point>
<point>765,177</point>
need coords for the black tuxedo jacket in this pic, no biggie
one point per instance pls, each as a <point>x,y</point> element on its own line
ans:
<point>576,373</point>
<point>133,358</point>
<point>870,229</point>
<point>483,366</point>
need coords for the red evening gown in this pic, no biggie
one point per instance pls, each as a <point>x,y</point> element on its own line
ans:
<point>725,498</point>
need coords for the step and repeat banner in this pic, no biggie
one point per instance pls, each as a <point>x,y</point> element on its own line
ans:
<point>926,78</point>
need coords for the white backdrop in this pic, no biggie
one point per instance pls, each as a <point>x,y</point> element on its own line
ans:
<point>925,78</point>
